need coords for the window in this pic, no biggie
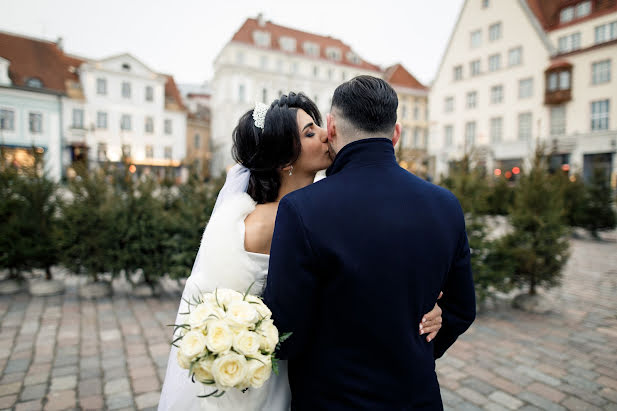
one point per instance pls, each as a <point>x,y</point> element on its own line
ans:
<point>197,140</point>
<point>515,56</point>
<point>494,32</point>
<point>448,133</point>
<point>606,32</point>
<point>316,71</point>
<point>126,67</point>
<point>35,121</point>
<point>241,93</point>
<point>470,134</point>
<point>261,38</point>
<point>78,118</point>
<point>416,138</point>
<point>167,152</point>
<point>403,110</point>
<point>149,126</point>
<point>525,88</point>
<point>7,120</point>
<point>101,152</point>
<point>449,104</point>
<point>404,137</point>
<point>333,53</point>
<point>458,73</point>
<point>240,58</point>
<point>583,9</point>
<point>416,112</point>
<point>288,44</point>
<point>566,15</point>
<point>125,122</point>
<point>496,94</point>
<point>553,81</point>
<point>569,43</point>
<point>311,49</point>
<point>476,38</point>
<point>601,72</point>
<point>101,86</point>
<point>353,57</point>
<point>472,99</point>
<point>264,95</point>
<point>168,125</point>
<point>126,150</point>
<point>126,89</point>
<point>564,80</point>
<point>475,67</point>
<point>524,126</point>
<point>599,115</point>
<point>101,119</point>
<point>496,129</point>
<point>263,62</point>
<point>494,62</point>
<point>149,151</point>
<point>485,4</point>
<point>149,93</point>
<point>34,82</point>
<point>558,120</point>
<point>293,68</point>
<point>279,65</point>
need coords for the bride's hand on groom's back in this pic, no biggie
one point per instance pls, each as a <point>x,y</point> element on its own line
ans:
<point>431,322</point>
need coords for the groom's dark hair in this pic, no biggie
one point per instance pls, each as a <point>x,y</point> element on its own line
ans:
<point>367,103</point>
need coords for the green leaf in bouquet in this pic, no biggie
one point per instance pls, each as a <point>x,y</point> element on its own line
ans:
<point>248,290</point>
<point>176,340</point>
<point>275,365</point>
<point>214,394</point>
<point>283,337</point>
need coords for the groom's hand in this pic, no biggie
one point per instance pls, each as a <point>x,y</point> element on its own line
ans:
<point>431,322</point>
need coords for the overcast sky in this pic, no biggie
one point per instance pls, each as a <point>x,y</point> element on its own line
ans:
<point>183,37</point>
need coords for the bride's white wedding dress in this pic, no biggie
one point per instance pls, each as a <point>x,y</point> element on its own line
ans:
<point>223,262</point>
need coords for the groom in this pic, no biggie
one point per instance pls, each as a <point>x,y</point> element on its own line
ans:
<point>357,258</point>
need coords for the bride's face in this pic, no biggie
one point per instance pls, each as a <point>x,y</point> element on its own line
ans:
<point>314,155</point>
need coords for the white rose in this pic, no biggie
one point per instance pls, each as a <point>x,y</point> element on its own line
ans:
<point>259,371</point>
<point>247,343</point>
<point>203,313</point>
<point>219,337</point>
<point>183,361</point>
<point>259,305</point>
<point>270,335</point>
<point>193,343</point>
<point>203,370</point>
<point>229,370</point>
<point>226,297</point>
<point>241,314</point>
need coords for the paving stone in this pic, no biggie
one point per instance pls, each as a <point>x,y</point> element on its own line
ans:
<point>540,401</point>
<point>471,395</point>
<point>116,386</point>
<point>146,400</point>
<point>12,388</point>
<point>33,392</point>
<point>93,402</point>
<point>7,401</point>
<point>63,383</point>
<point>118,401</point>
<point>505,399</point>
<point>60,400</point>
<point>573,403</point>
<point>34,405</point>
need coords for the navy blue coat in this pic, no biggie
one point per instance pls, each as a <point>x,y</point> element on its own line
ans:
<point>356,260</point>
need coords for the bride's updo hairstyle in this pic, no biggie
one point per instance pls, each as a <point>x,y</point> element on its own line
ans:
<point>265,152</point>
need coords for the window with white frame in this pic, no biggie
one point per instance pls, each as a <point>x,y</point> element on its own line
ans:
<point>126,89</point>
<point>564,80</point>
<point>553,81</point>
<point>474,67</point>
<point>311,49</point>
<point>167,152</point>
<point>525,87</point>
<point>494,32</point>
<point>149,125</point>
<point>101,120</point>
<point>353,57</point>
<point>524,126</point>
<point>7,120</point>
<point>606,32</point>
<point>316,71</point>
<point>569,43</point>
<point>416,112</point>
<point>35,122</point>
<point>241,93</point>
<point>448,133</point>
<point>293,68</point>
<point>558,120</point>
<point>149,151</point>
<point>416,138</point>
<point>404,110</point>
<point>101,152</point>
<point>168,127</point>
<point>566,15</point>
<point>288,44</point>
<point>582,9</point>
<point>149,93</point>
<point>101,86</point>
<point>264,95</point>
<point>485,4</point>
<point>263,62</point>
<point>78,118</point>
<point>34,82</point>
<point>470,134</point>
<point>601,72</point>
<point>458,73</point>
<point>261,38</point>
<point>496,129</point>
<point>472,99</point>
<point>449,104</point>
<point>496,94</point>
<point>494,62</point>
<point>333,53</point>
<point>515,56</point>
<point>476,38</point>
<point>125,122</point>
<point>599,115</point>
<point>240,58</point>
<point>404,138</point>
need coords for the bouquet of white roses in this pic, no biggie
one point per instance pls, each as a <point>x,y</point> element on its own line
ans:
<point>227,340</point>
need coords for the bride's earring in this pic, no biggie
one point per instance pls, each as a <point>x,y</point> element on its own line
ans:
<point>291,170</point>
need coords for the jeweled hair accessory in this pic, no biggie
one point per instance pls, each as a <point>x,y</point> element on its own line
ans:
<point>259,115</point>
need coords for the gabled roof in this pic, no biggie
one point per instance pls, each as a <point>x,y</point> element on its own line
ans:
<point>547,11</point>
<point>173,99</point>
<point>245,35</point>
<point>397,75</point>
<point>34,58</point>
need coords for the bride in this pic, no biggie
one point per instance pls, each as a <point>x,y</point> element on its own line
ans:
<point>279,149</point>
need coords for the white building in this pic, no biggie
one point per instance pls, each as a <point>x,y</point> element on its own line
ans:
<point>522,70</point>
<point>264,60</point>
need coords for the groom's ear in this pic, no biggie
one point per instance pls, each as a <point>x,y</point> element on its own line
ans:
<point>397,134</point>
<point>330,126</point>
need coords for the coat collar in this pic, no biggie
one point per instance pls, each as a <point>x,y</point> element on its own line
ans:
<point>363,152</point>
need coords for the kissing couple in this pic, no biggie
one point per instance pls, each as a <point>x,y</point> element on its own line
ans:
<point>352,265</point>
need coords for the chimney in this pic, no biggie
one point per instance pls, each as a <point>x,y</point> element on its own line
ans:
<point>60,43</point>
<point>260,20</point>
<point>4,72</point>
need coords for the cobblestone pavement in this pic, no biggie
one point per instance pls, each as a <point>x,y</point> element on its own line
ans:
<point>61,352</point>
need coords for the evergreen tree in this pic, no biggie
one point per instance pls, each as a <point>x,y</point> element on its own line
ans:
<point>500,197</point>
<point>574,196</point>
<point>11,255</point>
<point>599,212</point>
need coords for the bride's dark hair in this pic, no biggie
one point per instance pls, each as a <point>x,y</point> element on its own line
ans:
<point>265,152</point>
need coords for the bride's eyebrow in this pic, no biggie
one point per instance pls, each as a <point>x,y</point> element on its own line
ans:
<point>307,126</point>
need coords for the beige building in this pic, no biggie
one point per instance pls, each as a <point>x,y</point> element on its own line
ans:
<point>198,143</point>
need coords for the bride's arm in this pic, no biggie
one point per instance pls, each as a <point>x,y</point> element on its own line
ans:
<point>431,321</point>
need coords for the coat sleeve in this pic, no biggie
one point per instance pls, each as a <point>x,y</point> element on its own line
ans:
<point>459,298</point>
<point>292,281</point>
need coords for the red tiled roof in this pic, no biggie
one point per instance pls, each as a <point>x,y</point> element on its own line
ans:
<point>547,11</point>
<point>172,92</point>
<point>245,35</point>
<point>31,58</point>
<point>397,75</point>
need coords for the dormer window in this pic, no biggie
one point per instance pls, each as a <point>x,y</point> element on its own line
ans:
<point>261,38</point>
<point>333,53</point>
<point>126,67</point>
<point>311,49</point>
<point>34,82</point>
<point>353,57</point>
<point>578,11</point>
<point>288,44</point>
<point>583,9</point>
<point>566,15</point>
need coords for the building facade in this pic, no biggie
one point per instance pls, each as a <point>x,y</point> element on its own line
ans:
<point>516,73</point>
<point>264,60</point>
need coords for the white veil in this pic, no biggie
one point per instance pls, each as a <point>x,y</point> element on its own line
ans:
<point>178,392</point>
